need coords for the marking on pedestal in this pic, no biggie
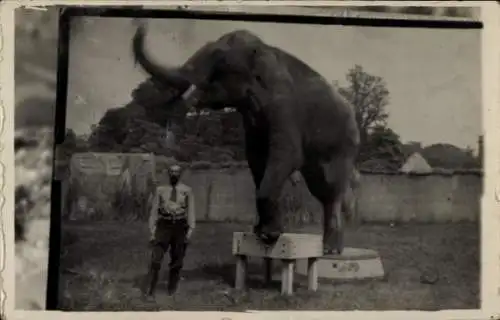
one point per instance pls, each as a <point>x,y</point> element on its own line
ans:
<point>346,267</point>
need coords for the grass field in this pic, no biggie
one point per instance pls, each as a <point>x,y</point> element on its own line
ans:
<point>102,271</point>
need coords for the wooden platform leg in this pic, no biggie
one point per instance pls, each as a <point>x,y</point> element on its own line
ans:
<point>312,274</point>
<point>287,277</point>
<point>268,266</point>
<point>241,272</point>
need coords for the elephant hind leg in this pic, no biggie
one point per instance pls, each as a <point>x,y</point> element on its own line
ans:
<point>333,227</point>
<point>328,182</point>
<point>337,173</point>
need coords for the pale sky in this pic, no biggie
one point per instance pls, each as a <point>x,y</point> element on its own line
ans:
<point>433,75</point>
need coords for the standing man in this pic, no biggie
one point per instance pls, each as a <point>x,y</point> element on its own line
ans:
<point>171,223</point>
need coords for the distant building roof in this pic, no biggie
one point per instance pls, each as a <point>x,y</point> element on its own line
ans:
<point>416,163</point>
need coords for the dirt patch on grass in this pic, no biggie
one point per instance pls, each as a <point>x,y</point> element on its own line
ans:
<point>103,269</point>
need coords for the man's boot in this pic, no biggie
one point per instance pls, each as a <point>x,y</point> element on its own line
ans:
<point>151,280</point>
<point>173,281</point>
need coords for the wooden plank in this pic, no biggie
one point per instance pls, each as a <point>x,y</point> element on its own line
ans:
<point>241,272</point>
<point>288,246</point>
<point>312,274</point>
<point>287,277</point>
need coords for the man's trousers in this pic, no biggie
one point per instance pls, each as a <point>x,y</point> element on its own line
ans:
<point>170,236</point>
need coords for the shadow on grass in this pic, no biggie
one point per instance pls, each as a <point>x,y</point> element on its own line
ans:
<point>223,274</point>
<point>226,274</point>
<point>218,272</point>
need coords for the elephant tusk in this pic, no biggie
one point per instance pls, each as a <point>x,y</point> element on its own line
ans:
<point>189,92</point>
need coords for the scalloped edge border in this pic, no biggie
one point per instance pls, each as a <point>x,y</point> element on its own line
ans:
<point>486,6</point>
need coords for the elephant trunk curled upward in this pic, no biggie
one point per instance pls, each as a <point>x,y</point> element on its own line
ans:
<point>293,120</point>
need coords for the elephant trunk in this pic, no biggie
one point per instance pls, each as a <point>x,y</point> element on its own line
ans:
<point>169,76</point>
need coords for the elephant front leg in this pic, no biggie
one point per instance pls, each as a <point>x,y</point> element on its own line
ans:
<point>256,152</point>
<point>269,227</point>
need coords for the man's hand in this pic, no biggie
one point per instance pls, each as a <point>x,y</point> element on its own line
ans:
<point>295,178</point>
<point>188,234</point>
<point>152,240</point>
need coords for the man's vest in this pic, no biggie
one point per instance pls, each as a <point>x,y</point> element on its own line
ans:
<point>172,207</point>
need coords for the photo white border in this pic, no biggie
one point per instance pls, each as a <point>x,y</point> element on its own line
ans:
<point>490,221</point>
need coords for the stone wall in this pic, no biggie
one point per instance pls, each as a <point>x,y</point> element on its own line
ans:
<point>105,184</point>
<point>228,194</point>
<point>225,192</point>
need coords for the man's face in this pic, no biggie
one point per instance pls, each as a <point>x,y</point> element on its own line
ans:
<point>174,173</point>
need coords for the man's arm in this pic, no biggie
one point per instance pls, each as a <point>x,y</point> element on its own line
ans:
<point>191,214</point>
<point>153,214</point>
<point>355,179</point>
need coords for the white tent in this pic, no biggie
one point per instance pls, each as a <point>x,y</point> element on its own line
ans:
<point>416,164</point>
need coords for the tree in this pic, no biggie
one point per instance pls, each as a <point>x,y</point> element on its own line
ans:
<point>469,152</point>
<point>215,136</point>
<point>70,138</point>
<point>384,144</point>
<point>157,104</point>
<point>411,147</point>
<point>448,156</point>
<point>110,132</point>
<point>370,96</point>
<point>141,126</point>
<point>73,143</point>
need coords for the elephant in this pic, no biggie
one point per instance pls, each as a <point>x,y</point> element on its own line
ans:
<point>293,120</point>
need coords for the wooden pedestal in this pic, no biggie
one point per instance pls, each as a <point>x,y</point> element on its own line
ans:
<point>289,248</point>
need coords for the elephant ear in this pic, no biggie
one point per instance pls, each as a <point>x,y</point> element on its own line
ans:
<point>235,61</point>
<point>199,66</point>
<point>268,69</point>
<point>218,55</point>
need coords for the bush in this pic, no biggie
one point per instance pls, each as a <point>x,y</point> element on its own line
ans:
<point>201,165</point>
